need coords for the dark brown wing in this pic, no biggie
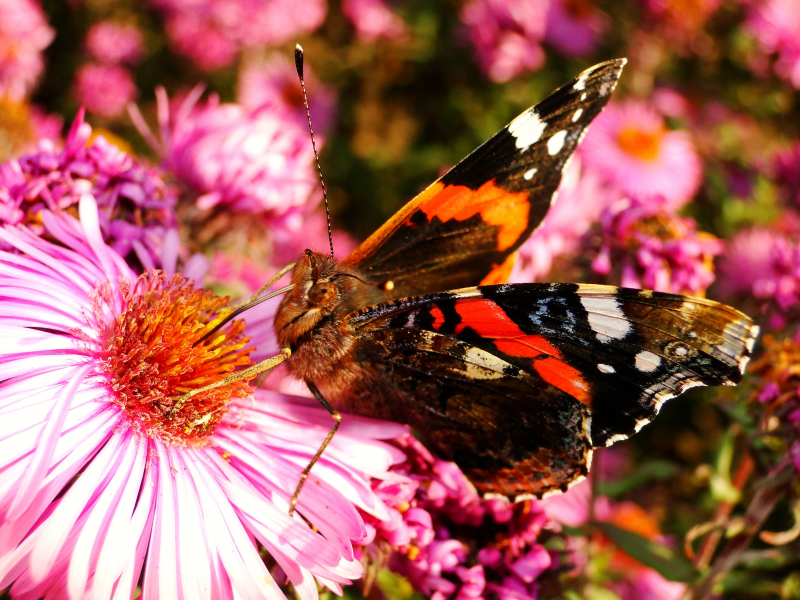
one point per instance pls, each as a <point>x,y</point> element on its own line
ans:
<point>464,229</point>
<point>517,382</point>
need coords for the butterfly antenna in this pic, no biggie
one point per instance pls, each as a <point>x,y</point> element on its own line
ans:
<point>298,62</point>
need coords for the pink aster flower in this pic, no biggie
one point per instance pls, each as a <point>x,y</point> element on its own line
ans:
<point>574,27</point>
<point>631,147</point>
<point>248,161</point>
<point>23,35</point>
<point>273,85</point>
<point>786,171</point>
<point>372,19</point>
<point>747,258</point>
<point>136,207</point>
<point>114,43</point>
<point>450,543</point>
<point>645,245</point>
<point>104,90</point>
<point>100,485</point>
<point>581,198</point>
<point>212,32</point>
<point>775,24</point>
<point>779,284</point>
<point>506,35</point>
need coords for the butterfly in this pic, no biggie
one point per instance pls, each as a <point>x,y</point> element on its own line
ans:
<point>515,383</point>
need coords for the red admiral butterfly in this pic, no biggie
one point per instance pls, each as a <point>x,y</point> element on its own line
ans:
<point>516,383</point>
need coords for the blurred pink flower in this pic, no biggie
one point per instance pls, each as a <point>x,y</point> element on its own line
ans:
<point>137,215</point>
<point>23,35</point>
<point>104,90</point>
<point>448,541</point>
<point>629,145</point>
<point>574,27</point>
<point>779,284</point>
<point>46,126</point>
<point>248,160</point>
<point>506,35</point>
<point>646,245</point>
<point>273,85</point>
<point>746,259</point>
<point>372,19</point>
<point>775,24</point>
<point>100,485</point>
<point>212,32</point>
<point>114,43</point>
<point>581,198</point>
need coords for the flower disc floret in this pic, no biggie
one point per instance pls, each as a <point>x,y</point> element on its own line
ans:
<point>153,353</point>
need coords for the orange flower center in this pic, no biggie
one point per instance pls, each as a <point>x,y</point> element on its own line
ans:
<point>645,145</point>
<point>152,356</point>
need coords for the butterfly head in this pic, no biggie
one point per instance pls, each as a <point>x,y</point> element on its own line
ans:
<point>320,287</point>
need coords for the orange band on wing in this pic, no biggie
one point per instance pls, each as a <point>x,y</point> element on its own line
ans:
<point>495,206</point>
<point>490,320</point>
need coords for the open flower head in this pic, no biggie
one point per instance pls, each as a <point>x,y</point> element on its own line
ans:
<point>630,146</point>
<point>136,207</point>
<point>104,475</point>
<point>251,161</point>
<point>506,35</point>
<point>643,244</point>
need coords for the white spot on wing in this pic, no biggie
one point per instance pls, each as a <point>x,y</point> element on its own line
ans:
<point>581,83</point>
<point>606,317</point>
<point>556,143</point>
<point>527,129</point>
<point>577,115</point>
<point>529,174</point>
<point>583,96</point>
<point>605,368</point>
<point>482,365</point>
<point>647,362</point>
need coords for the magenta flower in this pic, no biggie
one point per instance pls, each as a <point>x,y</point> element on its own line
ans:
<point>629,145</point>
<point>506,35</point>
<point>99,484</point>
<point>372,19</point>
<point>450,543</point>
<point>645,245</point>
<point>747,259</point>
<point>274,87</point>
<point>136,207</point>
<point>775,24</point>
<point>581,198</point>
<point>212,32</point>
<point>574,27</point>
<point>248,161</point>
<point>114,43</point>
<point>104,90</point>
<point>779,284</point>
<point>23,35</point>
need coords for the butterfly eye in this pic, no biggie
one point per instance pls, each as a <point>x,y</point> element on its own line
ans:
<point>322,293</point>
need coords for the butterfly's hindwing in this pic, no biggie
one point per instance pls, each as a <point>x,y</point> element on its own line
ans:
<point>617,353</point>
<point>464,229</point>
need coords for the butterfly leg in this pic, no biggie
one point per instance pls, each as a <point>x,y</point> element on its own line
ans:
<point>337,420</point>
<point>264,365</point>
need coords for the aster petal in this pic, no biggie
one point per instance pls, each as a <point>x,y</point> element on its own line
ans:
<point>86,554</point>
<point>248,574</point>
<point>46,444</point>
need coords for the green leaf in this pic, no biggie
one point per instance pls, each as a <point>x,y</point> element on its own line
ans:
<point>655,556</point>
<point>722,488</point>
<point>646,472</point>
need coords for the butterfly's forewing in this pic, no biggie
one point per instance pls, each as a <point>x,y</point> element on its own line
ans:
<point>517,382</point>
<point>464,229</point>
